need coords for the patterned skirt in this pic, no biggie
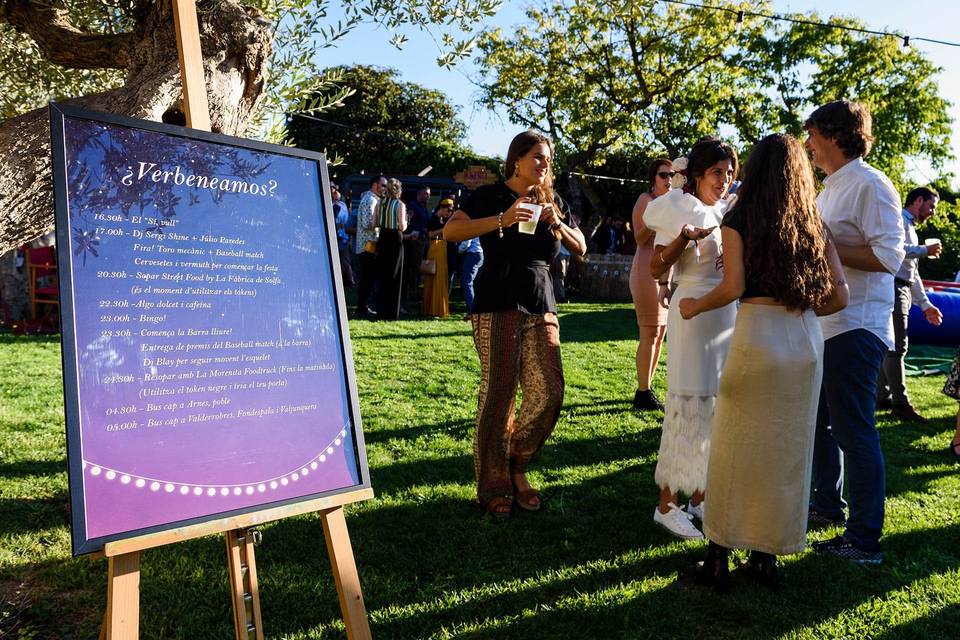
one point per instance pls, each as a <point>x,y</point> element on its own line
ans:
<point>951,387</point>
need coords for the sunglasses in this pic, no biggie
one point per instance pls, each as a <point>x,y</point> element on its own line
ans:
<point>666,174</point>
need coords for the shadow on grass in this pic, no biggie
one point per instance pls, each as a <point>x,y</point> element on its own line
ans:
<point>555,454</point>
<point>440,566</point>
<point>32,468</point>
<point>609,325</point>
<point>416,336</point>
<point>455,428</point>
<point>30,515</point>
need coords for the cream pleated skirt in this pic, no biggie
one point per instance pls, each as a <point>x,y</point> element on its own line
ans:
<point>758,475</point>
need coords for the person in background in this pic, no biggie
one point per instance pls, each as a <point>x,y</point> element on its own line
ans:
<point>341,216</point>
<point>515,327</point>
<point>415,244</point>
<point>778,260</point>
<point>391,223</point>
<point>614,231</point>
<point>921,204</point>
<point>601,240</point>
<point>861,208</point>
<point>627,243</point>
<point>689,242</point>
<point>367,244</point>
<point>471,259</point>
<point>351,230</point>
<point>951,389</point>
<point>651,315</point>
<point>558,270</point>
<point>436,293</point>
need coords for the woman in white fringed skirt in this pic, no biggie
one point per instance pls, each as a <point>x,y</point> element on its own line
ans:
<point>686,223</point>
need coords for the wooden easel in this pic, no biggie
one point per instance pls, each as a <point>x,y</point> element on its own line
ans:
<point>121,620</point>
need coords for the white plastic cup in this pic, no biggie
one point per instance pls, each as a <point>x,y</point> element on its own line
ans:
<point>930,242</point>
<point>530,226</point>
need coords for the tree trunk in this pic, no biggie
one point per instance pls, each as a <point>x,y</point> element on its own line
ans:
<point>236,43</point>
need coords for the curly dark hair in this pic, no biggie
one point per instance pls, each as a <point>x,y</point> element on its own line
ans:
<point>785,245</point>
<point>847,123</point>
<point>706,153</point>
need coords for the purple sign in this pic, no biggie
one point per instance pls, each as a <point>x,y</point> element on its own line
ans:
<point>207,365</point>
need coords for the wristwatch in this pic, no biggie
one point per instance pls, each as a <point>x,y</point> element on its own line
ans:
<point>556,225</point>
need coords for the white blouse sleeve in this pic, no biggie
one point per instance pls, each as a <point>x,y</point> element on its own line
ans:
<point>667,214</point>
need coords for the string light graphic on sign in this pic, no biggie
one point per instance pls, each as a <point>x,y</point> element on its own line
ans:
<point>214,490</point>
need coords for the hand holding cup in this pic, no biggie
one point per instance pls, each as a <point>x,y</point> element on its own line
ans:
<point>934,247</point>
<point>516,213</point>
<point>530,226</point>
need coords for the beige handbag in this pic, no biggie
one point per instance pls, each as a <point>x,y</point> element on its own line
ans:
<point>428,267</point>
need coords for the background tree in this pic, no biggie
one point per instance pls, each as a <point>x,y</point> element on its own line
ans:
<point>603,76</point>
<point>387,125</point>
<point>120,56</point>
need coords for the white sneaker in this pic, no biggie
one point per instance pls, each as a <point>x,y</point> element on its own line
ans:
<point>696,511</point>
<point>677,522</point>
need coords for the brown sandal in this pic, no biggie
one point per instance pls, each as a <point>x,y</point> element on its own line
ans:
<point>499,507</point>
<point>525,500</point>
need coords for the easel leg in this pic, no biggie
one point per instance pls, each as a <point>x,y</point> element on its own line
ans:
<point>244,590</point>
<point>122,619</point>
<point>345,574</point>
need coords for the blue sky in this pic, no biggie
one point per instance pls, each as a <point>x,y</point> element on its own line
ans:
<point>490,133</point>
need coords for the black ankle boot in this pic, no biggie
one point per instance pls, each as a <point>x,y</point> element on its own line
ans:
<point>714,570</point>
<point>646,401</point>
<point>762,567</point>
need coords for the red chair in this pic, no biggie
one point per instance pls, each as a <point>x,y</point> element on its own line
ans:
<point>42,283</point>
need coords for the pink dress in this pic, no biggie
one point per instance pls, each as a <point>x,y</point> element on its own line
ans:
<point>643,286</point>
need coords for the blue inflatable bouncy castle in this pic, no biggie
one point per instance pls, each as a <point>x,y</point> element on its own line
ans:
<point>946,297</point>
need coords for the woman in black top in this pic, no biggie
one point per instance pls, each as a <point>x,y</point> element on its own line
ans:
<point>779,260</point>
<point>392,222</point>
<point>515,327</point>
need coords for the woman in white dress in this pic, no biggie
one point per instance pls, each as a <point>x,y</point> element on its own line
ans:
<point>687,222</point>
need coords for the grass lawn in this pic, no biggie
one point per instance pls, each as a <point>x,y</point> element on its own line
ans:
<point>591,564</point>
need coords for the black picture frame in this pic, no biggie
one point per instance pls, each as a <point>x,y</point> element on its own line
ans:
<point>81,543</point>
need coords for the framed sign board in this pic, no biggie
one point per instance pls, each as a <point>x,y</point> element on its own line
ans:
<point>207,364</point>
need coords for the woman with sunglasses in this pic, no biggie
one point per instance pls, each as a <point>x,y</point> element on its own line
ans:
<point>651,315</point>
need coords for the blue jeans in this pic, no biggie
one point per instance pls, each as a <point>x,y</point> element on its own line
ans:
<point>469,267</point>
<point>847,437</point>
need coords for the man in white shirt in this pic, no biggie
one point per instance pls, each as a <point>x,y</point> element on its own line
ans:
<point>921,203</point>
<point>862,210</point>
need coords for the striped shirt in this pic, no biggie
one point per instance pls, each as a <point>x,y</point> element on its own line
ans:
<point>390,215</point>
